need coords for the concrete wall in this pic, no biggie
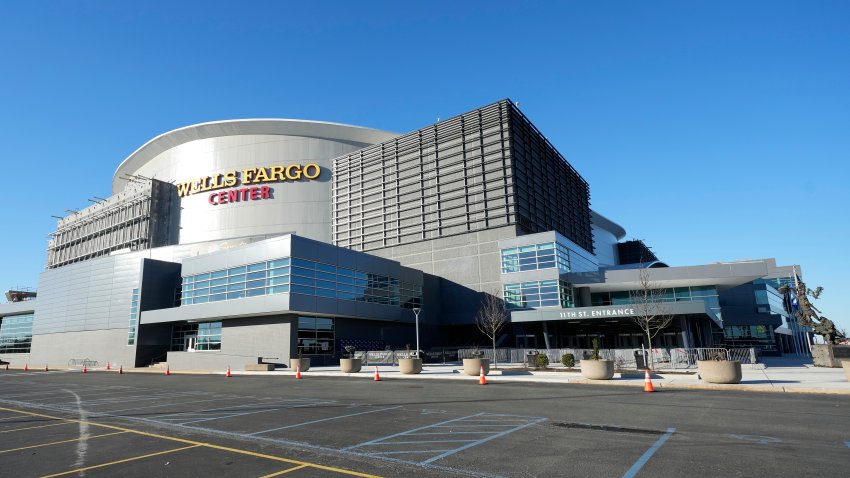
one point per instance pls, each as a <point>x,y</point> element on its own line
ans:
<point>101,345</point>
<point>243,341</point>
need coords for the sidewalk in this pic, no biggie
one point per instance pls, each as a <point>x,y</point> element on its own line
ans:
<point>774,375</point>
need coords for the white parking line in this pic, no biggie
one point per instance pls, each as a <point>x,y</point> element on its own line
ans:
<point>323,420</point>
<point>648,454</point>
<point>253,412</point>
<point>373,447</point>
<point>174,404</point>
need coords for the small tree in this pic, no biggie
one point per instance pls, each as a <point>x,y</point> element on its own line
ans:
<point>491,317</point>
<point>652,314</point>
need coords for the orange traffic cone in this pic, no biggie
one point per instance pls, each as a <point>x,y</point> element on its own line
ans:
<point>85,370</point>
<point>647,383</point>
<point>168,370</point>
<point>121,370</point>
<point>298,372</point>
<point>377,375</point>
<point>108,367</point>
<point>26,367</point>
<point>228,372</point>
<point>481,378</point>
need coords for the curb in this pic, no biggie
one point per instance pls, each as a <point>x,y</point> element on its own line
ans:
<point>496,377</point>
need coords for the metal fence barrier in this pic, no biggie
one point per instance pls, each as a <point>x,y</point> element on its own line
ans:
<point>624,359</point>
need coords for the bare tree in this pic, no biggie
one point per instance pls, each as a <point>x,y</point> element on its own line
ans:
<point>651,312</point>
<point>491,317</point>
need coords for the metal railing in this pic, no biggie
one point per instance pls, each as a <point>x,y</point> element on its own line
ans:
<point>624,359</point>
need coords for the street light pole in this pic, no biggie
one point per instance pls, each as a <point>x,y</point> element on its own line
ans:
<point>416,311</point>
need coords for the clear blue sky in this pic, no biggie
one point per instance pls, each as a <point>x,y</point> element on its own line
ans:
<point>713,130</point>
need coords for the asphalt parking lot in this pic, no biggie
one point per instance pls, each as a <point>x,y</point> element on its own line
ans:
<point>104,424</point>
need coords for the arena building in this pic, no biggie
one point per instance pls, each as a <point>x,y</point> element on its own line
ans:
<point>246,241</point>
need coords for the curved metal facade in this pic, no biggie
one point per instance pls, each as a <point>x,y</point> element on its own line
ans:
<point>212,150</point>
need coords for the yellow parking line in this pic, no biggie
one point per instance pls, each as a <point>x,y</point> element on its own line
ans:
<point>9,418</point>
<point>78,470</point>
<point>284,471</point>
<point>208,445</point>
<point>40,426</point>
<point>58,442</point>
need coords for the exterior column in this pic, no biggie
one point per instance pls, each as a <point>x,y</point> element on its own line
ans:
<point>546,335</point>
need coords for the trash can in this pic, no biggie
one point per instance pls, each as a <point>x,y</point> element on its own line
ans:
<point>531,359</point>
<point>640,360</point>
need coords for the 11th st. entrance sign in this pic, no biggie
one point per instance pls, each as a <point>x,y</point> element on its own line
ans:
<point>590,313</point>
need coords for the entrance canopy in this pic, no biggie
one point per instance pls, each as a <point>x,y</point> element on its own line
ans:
<point>607,312</point>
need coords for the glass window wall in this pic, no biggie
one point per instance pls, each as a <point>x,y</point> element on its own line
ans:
<point>707,294</point>
<point>547,255</point>
<point>16,334</point>
<point>134,317</point>
<point>209,336</point>
<point>315,336</point>
<point>300,276</point>
<point>536,294</point>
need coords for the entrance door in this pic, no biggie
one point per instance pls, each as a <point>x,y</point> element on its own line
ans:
<point>189,342</point>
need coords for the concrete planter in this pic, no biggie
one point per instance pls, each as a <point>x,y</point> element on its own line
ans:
<point>846,365</point>
<point>305,364</point>
<point>410,366</point>
<point>597,369</point>
<point>350,365</point>
<point>720,371</point>
<point>472,366</point>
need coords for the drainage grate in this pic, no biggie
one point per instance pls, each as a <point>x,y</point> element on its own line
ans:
<point>606,428</point>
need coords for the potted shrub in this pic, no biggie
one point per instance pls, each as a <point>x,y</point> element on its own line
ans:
<point>410,364</point>
<point>596,368</point>
<point>568,360</point>
<point>472,366</point>
<point>300,361</point>
<point>717,369</point>
<point>350,364</point>
<point>541,361</point>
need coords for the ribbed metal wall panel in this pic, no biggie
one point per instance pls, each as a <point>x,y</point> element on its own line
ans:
<point>481,170</point>
<point>450,178</point>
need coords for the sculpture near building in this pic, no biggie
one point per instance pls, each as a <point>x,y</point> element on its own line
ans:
<point>809,316</point>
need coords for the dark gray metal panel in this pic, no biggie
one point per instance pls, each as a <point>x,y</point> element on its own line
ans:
<point>160,280</point>
<point>227,309</point>
<point>550,193</point>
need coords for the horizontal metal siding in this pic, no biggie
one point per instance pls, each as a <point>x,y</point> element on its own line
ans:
<point>451,178</point>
